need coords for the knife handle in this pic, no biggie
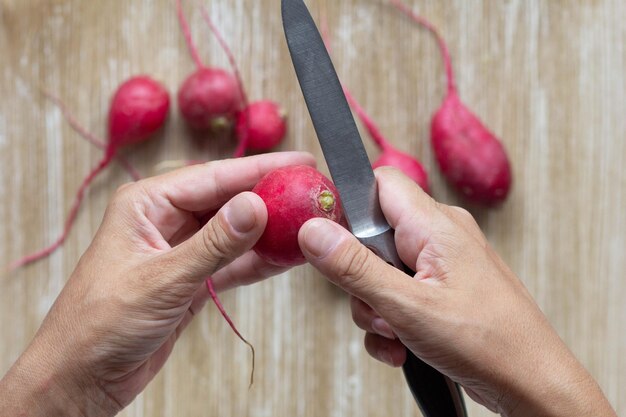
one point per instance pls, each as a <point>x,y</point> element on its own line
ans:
<point>435,394</point>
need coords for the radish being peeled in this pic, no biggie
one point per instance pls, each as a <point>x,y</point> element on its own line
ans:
<point>293,195</point>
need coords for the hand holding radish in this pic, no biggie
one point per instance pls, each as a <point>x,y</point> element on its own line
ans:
<point>464,312</point>
<point>139,285</point>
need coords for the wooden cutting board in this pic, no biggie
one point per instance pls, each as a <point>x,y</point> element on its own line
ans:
<point>546,76</point>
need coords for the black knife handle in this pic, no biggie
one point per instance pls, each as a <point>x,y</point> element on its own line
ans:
<point>435,394</point>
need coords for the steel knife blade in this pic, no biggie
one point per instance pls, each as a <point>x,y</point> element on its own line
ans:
<point>350,168</point>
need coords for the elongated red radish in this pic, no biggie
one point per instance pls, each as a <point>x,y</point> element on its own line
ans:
<point>90,137</point>
<point>138,109</point>
<point>209,98</point>
<point>261,125</point>
<point>390,156</point>
<point>293,195</point>
<point>469,155</point>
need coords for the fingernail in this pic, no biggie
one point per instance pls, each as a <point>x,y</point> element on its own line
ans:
<point>239,213</point>
<point>320,237</point>
<point>386,357</point>
<point>381,327</point>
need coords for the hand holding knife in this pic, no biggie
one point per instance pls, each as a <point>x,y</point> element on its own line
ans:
<point>350,168</point>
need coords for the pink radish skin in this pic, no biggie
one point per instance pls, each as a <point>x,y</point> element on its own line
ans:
<point>293,195</point>
<point>263,122</point>
<point>469,155</point>
<point>406,163</point>
<point>209,98</point>
<point>138,109</point>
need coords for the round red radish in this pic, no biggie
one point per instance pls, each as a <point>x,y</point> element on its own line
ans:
<point>263,124</point>
<point>405,163</point>
<point>138,109</point>
<point>293,195</point>
<point>470,157</point>
<point>209,99</point>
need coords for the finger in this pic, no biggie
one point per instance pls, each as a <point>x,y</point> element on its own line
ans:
<point>415,217</point>
<point>228,235</point>
<point>207,186</point>
<point>391,352</point>
<point>367,319</point>
<point>245,270</point>
<point>348,264</point>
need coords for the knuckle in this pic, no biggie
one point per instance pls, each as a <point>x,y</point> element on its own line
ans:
<point>355,263</point>
<point>217,245</point>
<point>124,191</point>
<point>465,216</point>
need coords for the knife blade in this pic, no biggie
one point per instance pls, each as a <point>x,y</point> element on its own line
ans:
<point>350,168</point>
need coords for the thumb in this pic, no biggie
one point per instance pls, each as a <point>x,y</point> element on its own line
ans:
<point>229,234</point>
<point>338,255</point>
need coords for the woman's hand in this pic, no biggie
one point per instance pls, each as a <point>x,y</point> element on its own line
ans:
<point>464,312</point>
<point>140,283</point>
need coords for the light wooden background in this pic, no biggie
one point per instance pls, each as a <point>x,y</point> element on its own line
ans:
<point>548,76</point>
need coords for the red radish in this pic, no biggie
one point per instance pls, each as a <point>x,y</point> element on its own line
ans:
<point>209,98</point>
<point>470,156</point>
<point>264,124</point>
<point>138,110</point>
<point>261,125</point>
<point>90,137</point>
<point>390,156</point>
<point>293,195</point>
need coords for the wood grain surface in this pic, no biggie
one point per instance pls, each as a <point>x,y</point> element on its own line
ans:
<point>548,76</point>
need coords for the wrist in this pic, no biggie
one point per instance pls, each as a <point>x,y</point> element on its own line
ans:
<point>35,387</point>
<point>562,388</point>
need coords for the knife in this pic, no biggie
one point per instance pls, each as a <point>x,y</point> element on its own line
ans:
<point>350,168</point>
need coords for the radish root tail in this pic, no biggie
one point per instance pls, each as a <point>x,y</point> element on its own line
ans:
<point>70,219</point>
<point>85,134</point>
<point>220,307</point>
<point>443,47</point>
<point>187,34</point>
